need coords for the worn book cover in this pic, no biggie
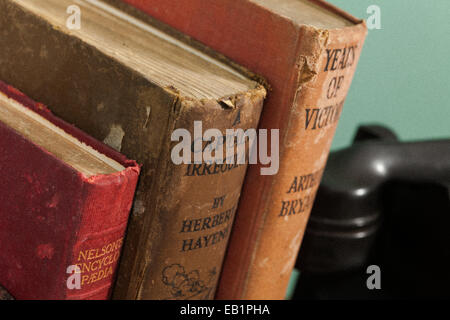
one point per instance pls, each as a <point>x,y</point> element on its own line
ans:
<point>65,200</point>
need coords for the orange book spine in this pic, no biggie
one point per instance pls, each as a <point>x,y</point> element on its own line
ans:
<point>327,61</point>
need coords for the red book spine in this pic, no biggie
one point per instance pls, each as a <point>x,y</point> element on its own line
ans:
<point>97,246</point>
<point>53,217</point>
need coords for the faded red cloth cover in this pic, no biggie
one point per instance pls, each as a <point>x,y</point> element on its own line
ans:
<point>52,216</point>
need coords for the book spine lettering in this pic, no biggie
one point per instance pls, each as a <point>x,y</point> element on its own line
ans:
<point>99,240</point>
<point>326,65</point>
<point>196,205</point>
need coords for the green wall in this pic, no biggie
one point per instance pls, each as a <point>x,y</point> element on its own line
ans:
<point>402,79</point>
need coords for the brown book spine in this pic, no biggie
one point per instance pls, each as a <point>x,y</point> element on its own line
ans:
<point>327,61</point>
<point>196,204</point>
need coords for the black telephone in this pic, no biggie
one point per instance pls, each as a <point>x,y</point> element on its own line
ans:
<point>381,202</point>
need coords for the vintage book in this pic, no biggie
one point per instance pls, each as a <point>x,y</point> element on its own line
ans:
<point>65,200</point>
<point>308,51</point>
<point>131,85</point>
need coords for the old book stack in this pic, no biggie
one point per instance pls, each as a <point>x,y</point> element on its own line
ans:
<point>162,82</point>
<point>132,86</point>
